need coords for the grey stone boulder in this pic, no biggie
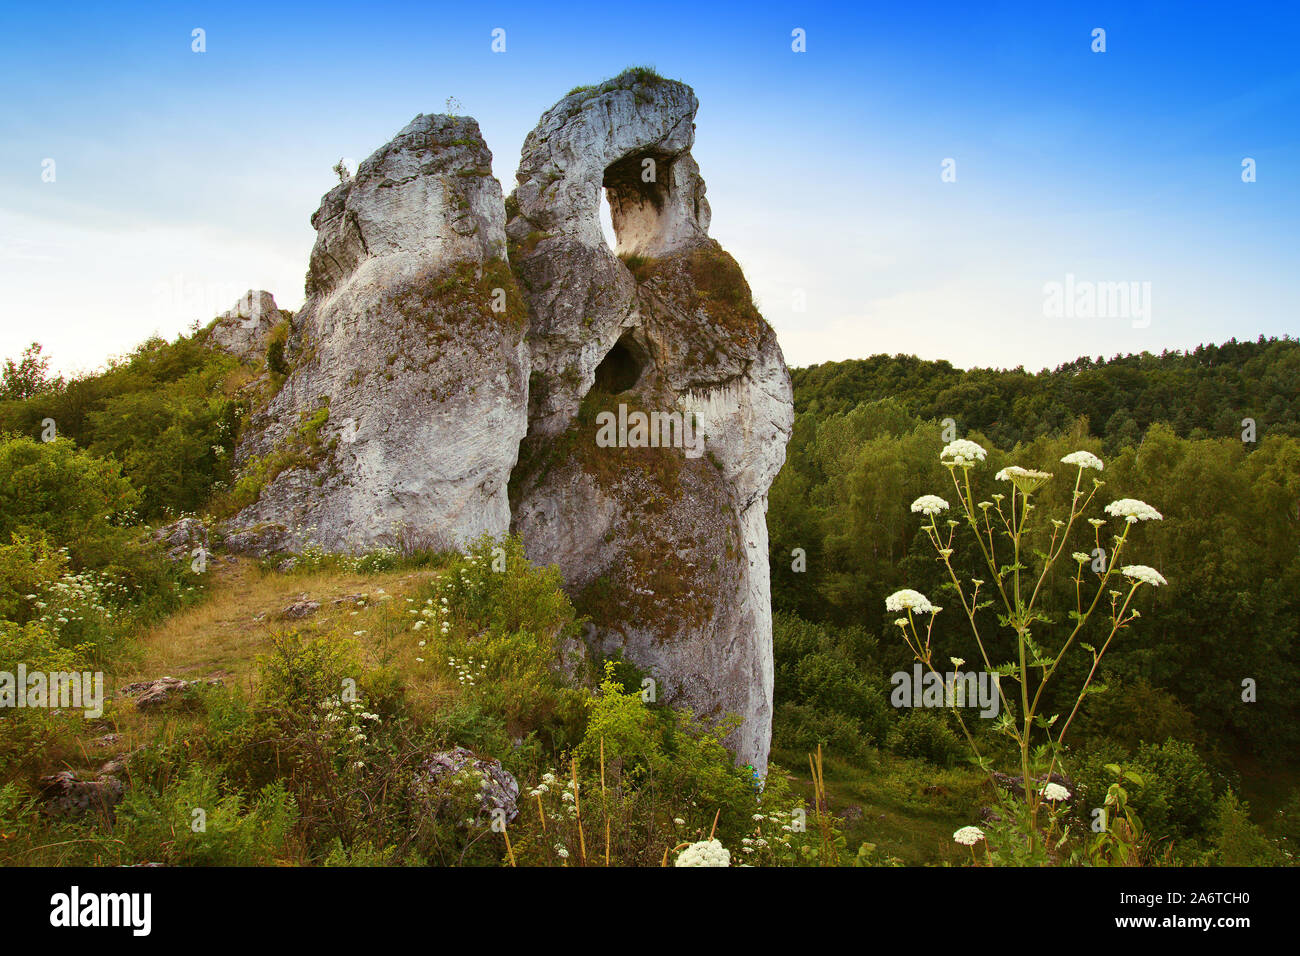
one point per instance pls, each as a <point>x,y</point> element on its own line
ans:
<point>458,769</point>
<point>163,692</point>
<point>66,794</point>
<point>299,609</point>
<point>182,539</point>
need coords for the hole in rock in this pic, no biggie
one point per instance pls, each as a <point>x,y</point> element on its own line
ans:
<point>621,368</point>
<point>636,189</point>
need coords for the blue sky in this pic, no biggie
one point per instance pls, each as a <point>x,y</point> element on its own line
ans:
<point>182,178</point>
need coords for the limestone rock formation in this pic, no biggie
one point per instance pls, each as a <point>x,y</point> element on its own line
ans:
<point>424,374</point>
<point>665,548</point>
<point>615,137</point>
<point>245,329</point>
<point>182,539</point>
<point>405,401</point>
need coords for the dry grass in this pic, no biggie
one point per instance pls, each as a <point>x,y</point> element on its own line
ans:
<point>223,636</point>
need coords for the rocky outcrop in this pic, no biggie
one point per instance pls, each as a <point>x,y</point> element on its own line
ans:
<point>630,136</point>
<point>245,329</point>
<point>163,692</point>
<point>664,547</point>
<point>424,373</point>
<point>405,401</point>
<point>183,539</point>
<point>448,774</point>
<point>299,609</point>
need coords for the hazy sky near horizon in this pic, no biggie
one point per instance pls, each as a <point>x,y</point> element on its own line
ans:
<point>182,178</point>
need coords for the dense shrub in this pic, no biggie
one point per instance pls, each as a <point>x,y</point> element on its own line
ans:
<point>196,821</point>
<point>28,734</point>
<point>167,413</point>
<point>920,733</point>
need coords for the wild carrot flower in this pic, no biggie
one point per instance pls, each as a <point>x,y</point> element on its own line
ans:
<point>1055,792</point>
<point>1026,479</point>
<point>704,853</point>
<point>968,836</point>
<point>1143,574</point>
<point>929,505</point>
<point>962,452</point>
<point>1132,510</point>
<point>1083,459</point>
<point>908,599</point>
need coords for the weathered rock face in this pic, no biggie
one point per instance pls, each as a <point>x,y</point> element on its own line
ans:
<point>405,404</point>
<point>245,329</point>
<point>665,547</point>
<point>632,138</point>
<point>408,397</point>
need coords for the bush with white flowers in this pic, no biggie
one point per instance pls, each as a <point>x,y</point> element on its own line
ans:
<point>1010,536</point>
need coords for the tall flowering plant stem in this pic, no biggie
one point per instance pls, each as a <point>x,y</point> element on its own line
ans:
<point>1002,527</point>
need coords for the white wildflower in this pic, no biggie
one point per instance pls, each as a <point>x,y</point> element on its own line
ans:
<point>1133,510</point>
<point>1083,459</point>
<point>1055,792</point>
<point>968,836</point>
<point>1143,574</point>
<point>908,599</point>
<point>929,505</point>
<point>1026,479</point>
<point>962,452</point>
<point>704,853</point>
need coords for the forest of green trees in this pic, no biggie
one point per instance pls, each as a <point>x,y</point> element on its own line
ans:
<point>1211,438</point>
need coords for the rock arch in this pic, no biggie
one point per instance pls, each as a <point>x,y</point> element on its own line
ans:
<point>685,595</point>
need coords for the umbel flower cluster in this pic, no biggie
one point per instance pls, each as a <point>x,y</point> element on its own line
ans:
<point>1005,523</point>
<point>704,853</point>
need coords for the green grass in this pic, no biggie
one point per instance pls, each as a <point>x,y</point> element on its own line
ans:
<point>896,813</point>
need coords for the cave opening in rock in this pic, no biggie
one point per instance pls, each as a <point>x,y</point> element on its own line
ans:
<point>621,368</point>
<point>636,189</point>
